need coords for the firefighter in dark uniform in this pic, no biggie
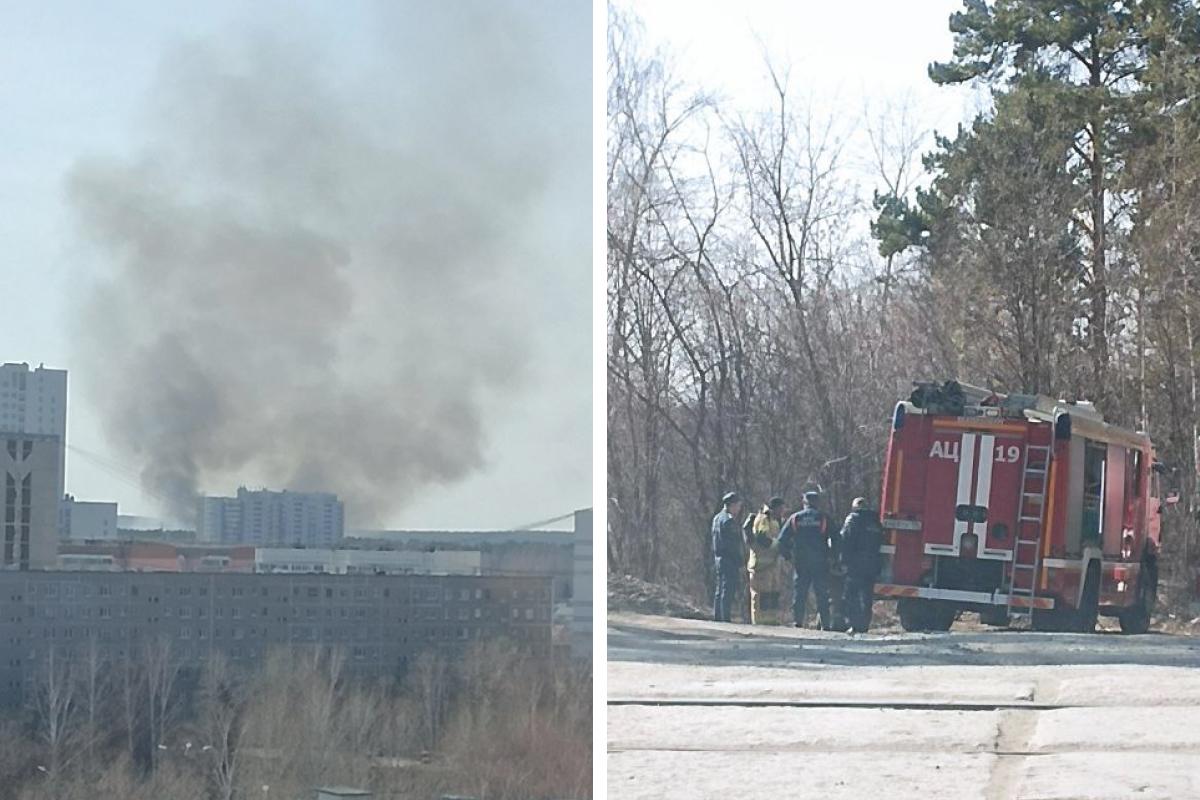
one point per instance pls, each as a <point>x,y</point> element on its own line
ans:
<point>728,555</point>
<point>861,537</point>
<point>805,542</point>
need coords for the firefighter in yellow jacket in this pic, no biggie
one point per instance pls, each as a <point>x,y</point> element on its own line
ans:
<point>765,572</point>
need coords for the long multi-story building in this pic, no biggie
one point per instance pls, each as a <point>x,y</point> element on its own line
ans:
<point>564,555</point>
<point>264,517</point>
<point>29,464</point>
<point>581,589</point>
<point>379,623</point>
<point>154,556</point>
<point>35,401</point>
<point>353,561</point>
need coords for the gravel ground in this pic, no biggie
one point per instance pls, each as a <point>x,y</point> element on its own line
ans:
<point>704,710</point>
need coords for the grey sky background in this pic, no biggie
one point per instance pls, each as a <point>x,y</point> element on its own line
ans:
<point>842,55</point>
<point>77,82</point>
<point>846,62</point>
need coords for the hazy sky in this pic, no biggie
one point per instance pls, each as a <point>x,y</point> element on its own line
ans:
<point>77,80</point>
<point>843,57</point>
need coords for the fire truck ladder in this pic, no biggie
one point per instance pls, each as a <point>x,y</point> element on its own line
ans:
<point>1027,548</point>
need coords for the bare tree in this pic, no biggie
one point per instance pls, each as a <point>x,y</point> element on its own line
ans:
<point>56,708</point>
<point>162,670</point>
<point>223,700</point>
<point>430,679</point>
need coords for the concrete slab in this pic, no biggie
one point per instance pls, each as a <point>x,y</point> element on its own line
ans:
<point>1110,776</point>
<point>641,775</point>
<point>764,730</point>
<point>1170,729</point>
<point>702,710</point>
<point>927,684</point>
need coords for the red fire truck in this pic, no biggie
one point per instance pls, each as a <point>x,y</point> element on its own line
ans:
<point>1017,506</point>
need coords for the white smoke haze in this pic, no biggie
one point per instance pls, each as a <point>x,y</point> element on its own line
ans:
<point>315,276</point>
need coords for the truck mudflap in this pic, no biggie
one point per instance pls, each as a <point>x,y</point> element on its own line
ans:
<point>961,596</point>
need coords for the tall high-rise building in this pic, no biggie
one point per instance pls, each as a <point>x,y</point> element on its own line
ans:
<point>35,401</point>
<point>264,517</point>
<point>29,500</point>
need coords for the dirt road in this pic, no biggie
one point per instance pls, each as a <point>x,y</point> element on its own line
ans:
<point>704,710</point>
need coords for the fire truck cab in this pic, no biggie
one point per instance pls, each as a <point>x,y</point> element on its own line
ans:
<point>1017,506</point>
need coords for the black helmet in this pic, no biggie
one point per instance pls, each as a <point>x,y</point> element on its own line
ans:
<point>730,498</point>
<point>812,498</point>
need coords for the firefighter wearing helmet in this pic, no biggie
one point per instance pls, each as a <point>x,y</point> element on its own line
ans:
<point>765,578</point>
<point>861,537</point>
<point>805,542</point>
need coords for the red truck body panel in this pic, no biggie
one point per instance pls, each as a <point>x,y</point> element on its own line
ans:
<point>965,497</point>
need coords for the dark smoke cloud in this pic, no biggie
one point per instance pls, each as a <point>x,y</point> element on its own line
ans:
<point>314,270</point>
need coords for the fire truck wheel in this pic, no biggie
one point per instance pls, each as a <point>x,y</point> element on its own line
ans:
<point>913,614</point>
<point>1055,621</point>
<point>997,616</point>
<point>1089,605</point>
<point>925,615</point>
<point>1136,618</point>
<point>943,615</point>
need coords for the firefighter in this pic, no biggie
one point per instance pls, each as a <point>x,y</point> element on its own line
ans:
<point>763,542</point>
<point>861,536</point>
<point>805,542</point>
<point>727,554</point>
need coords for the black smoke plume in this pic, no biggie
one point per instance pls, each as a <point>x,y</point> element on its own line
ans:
<point>313,269</point>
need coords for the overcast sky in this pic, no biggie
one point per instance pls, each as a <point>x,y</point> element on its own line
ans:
<point>843,58</point>
<point>75,78</point>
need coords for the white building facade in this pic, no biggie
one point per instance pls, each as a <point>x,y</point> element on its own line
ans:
<point>28,501</point>
<point>264,517</point>
<point>366,562</point>
<point>35,401</point>
<point>80,519</point>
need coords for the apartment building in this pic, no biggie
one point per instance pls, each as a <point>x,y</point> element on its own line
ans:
<point>29,464</point>
<point>35,401</point>
<point>353,561</point>
<point>581,595</point>
<point>265,517</point>
<point>84,519</point>
<point>378,622</point>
